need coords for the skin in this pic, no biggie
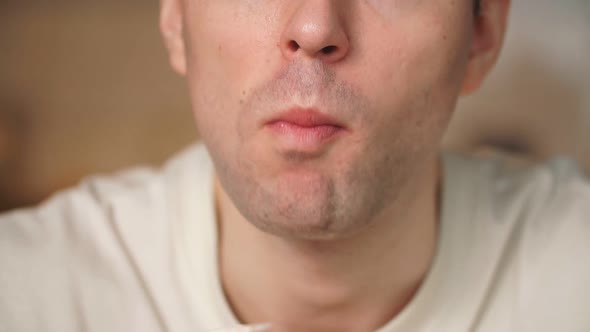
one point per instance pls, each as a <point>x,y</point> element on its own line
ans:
<point>340,237</point>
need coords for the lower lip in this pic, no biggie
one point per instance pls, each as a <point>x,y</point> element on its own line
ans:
<point>303,138</point>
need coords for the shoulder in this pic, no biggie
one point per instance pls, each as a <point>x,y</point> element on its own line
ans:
<point>542,211</point>
<point>548,208</point>
<point>79,211</point>
<point>545,212</point>
<point>528,226</point>
<point>94,247</point>
<point>550,195</point>
<point>68,250</point>
<point>74,213</point>
<point>554,243</point>
<point>547,194</point>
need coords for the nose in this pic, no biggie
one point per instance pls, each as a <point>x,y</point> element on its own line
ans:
<point>316,30</point>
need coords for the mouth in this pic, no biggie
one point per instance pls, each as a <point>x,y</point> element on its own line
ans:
<point>304,130</point>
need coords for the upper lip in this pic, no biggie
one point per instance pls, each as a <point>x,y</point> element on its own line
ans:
<point>305,117</point>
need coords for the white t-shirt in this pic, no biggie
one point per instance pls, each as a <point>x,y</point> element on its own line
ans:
<point>138,252</point>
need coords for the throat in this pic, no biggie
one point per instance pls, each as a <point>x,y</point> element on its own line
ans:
<point>311,302</point>
<point>311,287</point>
<point>358,283</point>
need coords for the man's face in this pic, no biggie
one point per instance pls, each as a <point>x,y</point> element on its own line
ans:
<point>319,114</point>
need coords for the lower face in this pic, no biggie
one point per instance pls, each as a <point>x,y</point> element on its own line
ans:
<point>392,95</point>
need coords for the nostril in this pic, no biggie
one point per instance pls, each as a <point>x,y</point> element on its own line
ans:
<point>329,49</point>
<point>293,46</point>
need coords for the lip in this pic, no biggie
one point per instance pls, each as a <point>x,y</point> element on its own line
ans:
<point>305,131</point>
<point>305,117</point>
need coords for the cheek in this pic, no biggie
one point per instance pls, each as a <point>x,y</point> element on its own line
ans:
<point>224,62</point>
<point>229,42</point>
<point>418,73</point>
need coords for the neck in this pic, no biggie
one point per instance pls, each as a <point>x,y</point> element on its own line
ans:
<point>357,283</point>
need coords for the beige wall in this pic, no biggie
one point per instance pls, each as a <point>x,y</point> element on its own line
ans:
<point>538,98</point>
<point>85,88</point>
<point>89,85</point>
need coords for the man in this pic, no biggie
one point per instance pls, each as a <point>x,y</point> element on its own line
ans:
<point>320,200</point>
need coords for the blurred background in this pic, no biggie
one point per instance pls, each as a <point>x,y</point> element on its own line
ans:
<point>85,88</point>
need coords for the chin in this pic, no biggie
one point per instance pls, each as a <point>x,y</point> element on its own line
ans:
<point>316,228</point>
<point>300,206</point>
<point>307,201</point>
